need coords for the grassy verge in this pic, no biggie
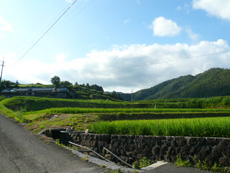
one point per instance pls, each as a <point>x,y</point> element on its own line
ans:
<point>42,121</point>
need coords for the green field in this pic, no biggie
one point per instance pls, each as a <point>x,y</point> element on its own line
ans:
<point>130,110</point>
<point>180,117</point>
<point>199,127</point>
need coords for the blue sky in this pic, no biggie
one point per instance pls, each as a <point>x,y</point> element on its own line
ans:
<point>122,45</point>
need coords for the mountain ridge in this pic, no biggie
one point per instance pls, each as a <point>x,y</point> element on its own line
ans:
<point>213,82</point>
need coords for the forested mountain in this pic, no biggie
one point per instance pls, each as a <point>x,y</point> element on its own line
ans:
<point>214,82</point>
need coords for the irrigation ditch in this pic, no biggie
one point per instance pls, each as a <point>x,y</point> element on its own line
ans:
<point>128,149</point>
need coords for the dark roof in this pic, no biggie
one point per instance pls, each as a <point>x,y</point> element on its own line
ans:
<point>23,89</point>
<point>43,89</point>
<point>62,89</point>
<point>5,91</point>
<point>34,89</point>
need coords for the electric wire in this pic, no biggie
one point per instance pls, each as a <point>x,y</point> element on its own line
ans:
<point>45,33</point>
<point>22,45</point>
<point>80,7</point>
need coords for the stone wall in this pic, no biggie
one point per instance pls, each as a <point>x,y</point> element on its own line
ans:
<point>133,148</point>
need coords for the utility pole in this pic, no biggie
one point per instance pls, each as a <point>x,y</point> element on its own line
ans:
<point>1,73</point>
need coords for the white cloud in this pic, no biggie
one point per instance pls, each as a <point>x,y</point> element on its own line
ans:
<point>192,35</point>
<point>185,8</point>
<point>179,8</point>
<point>163,27</point>
<point>2,35</point>
<point>60,58</point>
<point>126,21</point>
<point>70,1</point>
<point>123,68</point>
<point>4,27</point>
<point>218,8</point>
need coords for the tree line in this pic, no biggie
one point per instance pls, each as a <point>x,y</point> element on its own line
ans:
<point>80,91</point>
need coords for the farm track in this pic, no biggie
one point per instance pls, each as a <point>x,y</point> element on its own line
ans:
<point>22,152</point>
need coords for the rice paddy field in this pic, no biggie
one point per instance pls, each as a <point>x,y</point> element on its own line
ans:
<point>198,127</point>
<point>174,117</point>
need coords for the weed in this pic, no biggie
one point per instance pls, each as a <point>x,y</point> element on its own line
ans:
<point>135,165</point>
<point>19,116</point>
<point>201,165</point>
<point>144,162</point>
<point>46,142</point>
<point>180,162</point>
<point>115,171</point>
<point>41,126</point>
<point>59,143</point>
<point>85,159</point>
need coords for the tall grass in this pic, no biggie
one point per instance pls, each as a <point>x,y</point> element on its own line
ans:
<point>198,127</point>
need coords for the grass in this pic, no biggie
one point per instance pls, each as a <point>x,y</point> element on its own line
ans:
<point>68,110</point>
<point>79,122</point>
<point>144,162</point>
<point>198,127</point>
<point>182,163</point>
<point>85,159</point>
<point>202,165</point>
<point>37,113</point>
<point>41,103</point>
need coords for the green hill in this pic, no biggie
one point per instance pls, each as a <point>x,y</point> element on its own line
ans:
<point>214,82</point>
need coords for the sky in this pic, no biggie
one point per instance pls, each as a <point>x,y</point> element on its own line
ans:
<point>121,45</point>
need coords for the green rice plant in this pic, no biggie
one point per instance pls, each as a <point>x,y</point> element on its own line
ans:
<point>122,111</point>
<point>199,127</point>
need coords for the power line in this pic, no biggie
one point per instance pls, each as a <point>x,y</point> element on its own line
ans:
<point>80,7</point>
<point>23,45</point>
<point>45,33</point>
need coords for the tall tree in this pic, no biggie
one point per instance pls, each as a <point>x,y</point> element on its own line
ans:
<point>16,84</point>
<point>66,84</point>
<point>55,81</point>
